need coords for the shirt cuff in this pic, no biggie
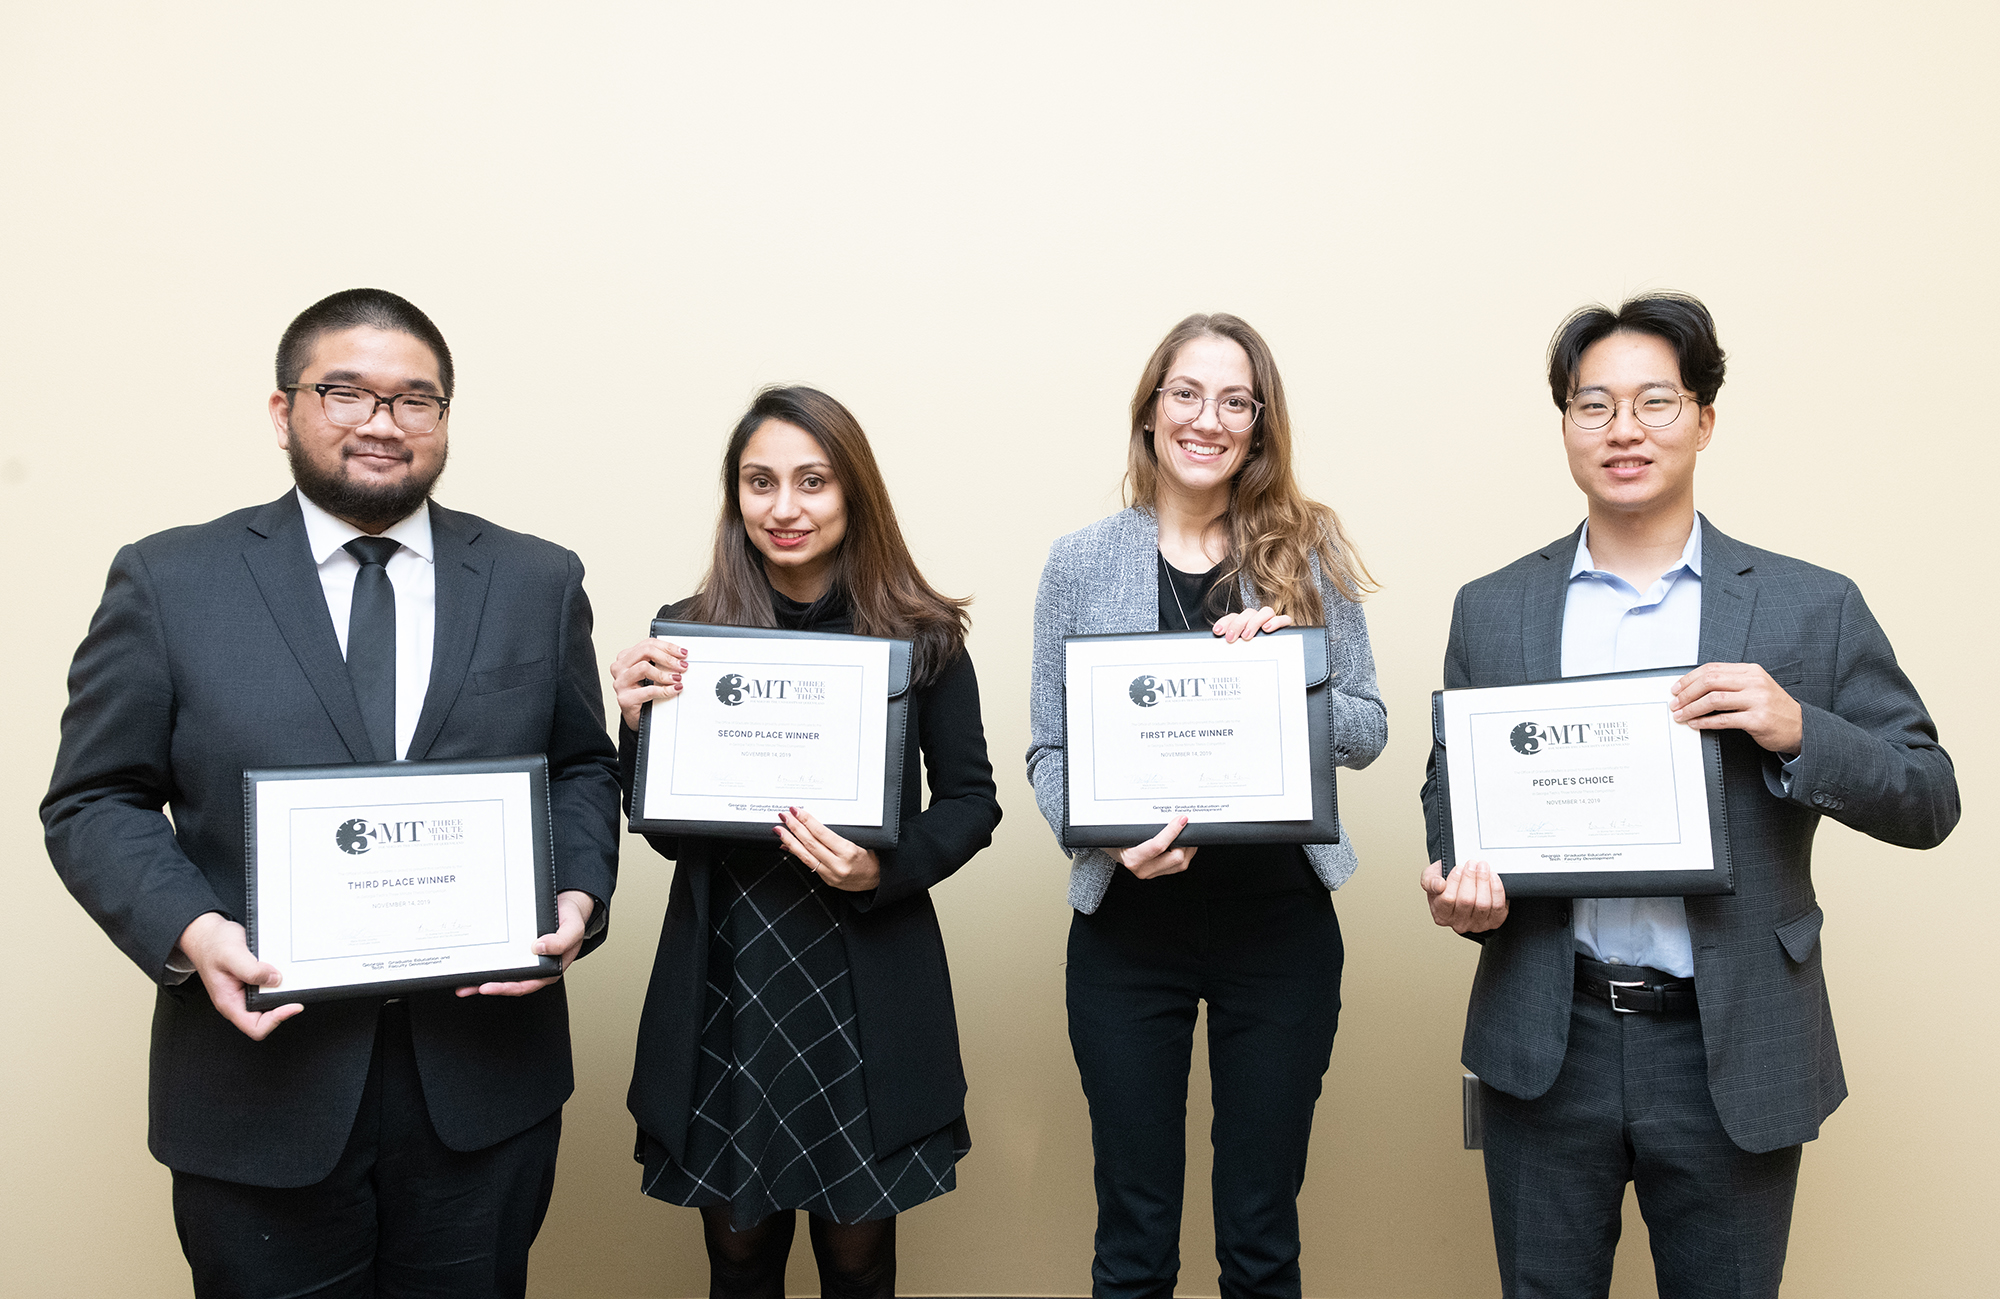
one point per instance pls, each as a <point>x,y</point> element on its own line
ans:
<point>1778,775</point>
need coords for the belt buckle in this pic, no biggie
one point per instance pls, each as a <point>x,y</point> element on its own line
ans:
<point>1615,985</point>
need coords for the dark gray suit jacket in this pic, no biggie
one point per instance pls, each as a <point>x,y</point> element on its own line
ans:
<point>211,653</point>
<point>1870,759</point>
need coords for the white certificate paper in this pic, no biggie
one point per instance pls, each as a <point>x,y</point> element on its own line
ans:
<point>766,723</point>
<point>376,879</point>
<point>1588,774</point>
<point>1184,727</point>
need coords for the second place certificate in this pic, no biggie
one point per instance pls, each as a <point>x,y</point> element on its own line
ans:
<point>765,723</point>
<point>1161,727</point>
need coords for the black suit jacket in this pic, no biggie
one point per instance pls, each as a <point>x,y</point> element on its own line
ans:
<point>211,653</point>
<point>1870,759</point>
<point>914,1077</point>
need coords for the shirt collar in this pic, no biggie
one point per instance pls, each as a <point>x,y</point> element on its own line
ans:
<point>326,534</point>
<point>1690,553</point>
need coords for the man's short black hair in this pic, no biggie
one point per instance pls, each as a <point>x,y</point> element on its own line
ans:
<point>375,308</point>
<point>1679,318</point>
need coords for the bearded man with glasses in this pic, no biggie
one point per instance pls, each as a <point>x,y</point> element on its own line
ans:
<point>382,1145</point>
<point>1682,1044</point>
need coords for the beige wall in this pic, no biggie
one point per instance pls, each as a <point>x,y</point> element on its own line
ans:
<point>972,224</point>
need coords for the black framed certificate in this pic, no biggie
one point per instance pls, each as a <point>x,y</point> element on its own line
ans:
<point>770,719</point>
<point>1582,787</point>
<point>1238,738</point>
<point>373,879</point>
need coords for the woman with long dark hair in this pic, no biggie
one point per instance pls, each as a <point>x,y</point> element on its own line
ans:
<point>1218,535</point>
<point>784,968</point>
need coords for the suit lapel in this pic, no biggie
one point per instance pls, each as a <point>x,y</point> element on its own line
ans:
<point>1728,597</point>
<point>462,578</point>
<point>1542,610</point>
<point>1138,560</point>
<point>280,562</point>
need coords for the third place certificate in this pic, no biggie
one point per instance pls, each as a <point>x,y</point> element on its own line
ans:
<point>1161,727</point>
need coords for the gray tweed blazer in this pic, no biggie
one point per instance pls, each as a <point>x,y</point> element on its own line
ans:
<point>1104,579</point>
<point>1870,760</point>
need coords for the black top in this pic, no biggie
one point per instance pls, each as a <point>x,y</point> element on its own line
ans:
<point>895,951</point>
<point>1218,870</point>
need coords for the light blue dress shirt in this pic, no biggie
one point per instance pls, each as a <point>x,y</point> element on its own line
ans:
<point>1610,627</point>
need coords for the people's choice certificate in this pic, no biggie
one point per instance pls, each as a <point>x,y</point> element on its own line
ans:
<point>390,877</point>
<point>770,721</point>
<point>1583,787</point>
<point>1161,726</point>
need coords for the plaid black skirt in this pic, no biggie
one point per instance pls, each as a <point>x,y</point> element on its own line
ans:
<point>781,1112</point>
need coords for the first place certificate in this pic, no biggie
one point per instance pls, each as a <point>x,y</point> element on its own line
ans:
<point>768,722</point>
<point>1583,787</point>
<point>386,878</point>
<point>1163,726</point>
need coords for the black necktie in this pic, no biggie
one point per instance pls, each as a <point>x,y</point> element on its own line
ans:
<point>371,642</point>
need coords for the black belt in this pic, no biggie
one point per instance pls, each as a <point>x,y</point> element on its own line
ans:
<point>1635,989</point>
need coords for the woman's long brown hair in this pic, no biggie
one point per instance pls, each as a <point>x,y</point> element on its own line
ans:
<point>872,568</point>
<point>1273,527</point>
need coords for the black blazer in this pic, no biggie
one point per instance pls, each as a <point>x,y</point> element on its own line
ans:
<point>1870,760</point>
<point>895,951</point>
<point>211,653</point>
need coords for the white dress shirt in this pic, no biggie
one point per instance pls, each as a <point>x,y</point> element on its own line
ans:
<point>1610,627</point>
<point>412,572</point>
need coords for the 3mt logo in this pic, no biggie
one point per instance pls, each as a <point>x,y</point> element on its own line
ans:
<point>735,688</point>
<point>358,834</point>
<point>1147,691</point>
<point>1529,738</point>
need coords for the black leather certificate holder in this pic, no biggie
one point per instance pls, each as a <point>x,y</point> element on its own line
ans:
<point>1608,883</point>
<point>878,837</point>
<point>1324,827</point>
<point>368,893</point>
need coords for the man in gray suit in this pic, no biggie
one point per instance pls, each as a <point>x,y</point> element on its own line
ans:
<point>375,1145</point>
<point>1683,1044</point>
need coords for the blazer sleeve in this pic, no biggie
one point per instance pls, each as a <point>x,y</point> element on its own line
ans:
<point>1457,675</point>
<point>964,804</point>
<point>1872,761</point>
<point>583,766</point>
<point>1055,618</point>
<point>107,834</point>
<point>1360,720</point>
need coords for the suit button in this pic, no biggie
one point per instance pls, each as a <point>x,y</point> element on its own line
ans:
<point>1562,916</point>
<point>1820,799</point>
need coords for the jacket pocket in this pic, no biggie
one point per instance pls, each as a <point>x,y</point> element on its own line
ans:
<point>510,676</point>
<point>1789,673</point>
<point>1800,933</point>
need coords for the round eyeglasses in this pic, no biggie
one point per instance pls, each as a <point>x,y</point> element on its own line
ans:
<point>1234,412</point>
<point>1652,407</point>
<point>350,407</point>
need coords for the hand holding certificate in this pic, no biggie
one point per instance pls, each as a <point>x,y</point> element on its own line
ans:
<point>1582,787</point>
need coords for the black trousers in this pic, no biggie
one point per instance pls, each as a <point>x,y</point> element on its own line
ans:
<point>1269,968</point>
<point>401,1214</point>
<point>1632,1105</point>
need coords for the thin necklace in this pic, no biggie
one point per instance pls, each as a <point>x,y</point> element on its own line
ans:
<point>1187,623</point>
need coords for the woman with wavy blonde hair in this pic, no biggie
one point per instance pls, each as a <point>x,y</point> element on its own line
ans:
<point>1218,534</point>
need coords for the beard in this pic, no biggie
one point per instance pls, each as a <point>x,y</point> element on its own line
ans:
<point>367,507</point>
